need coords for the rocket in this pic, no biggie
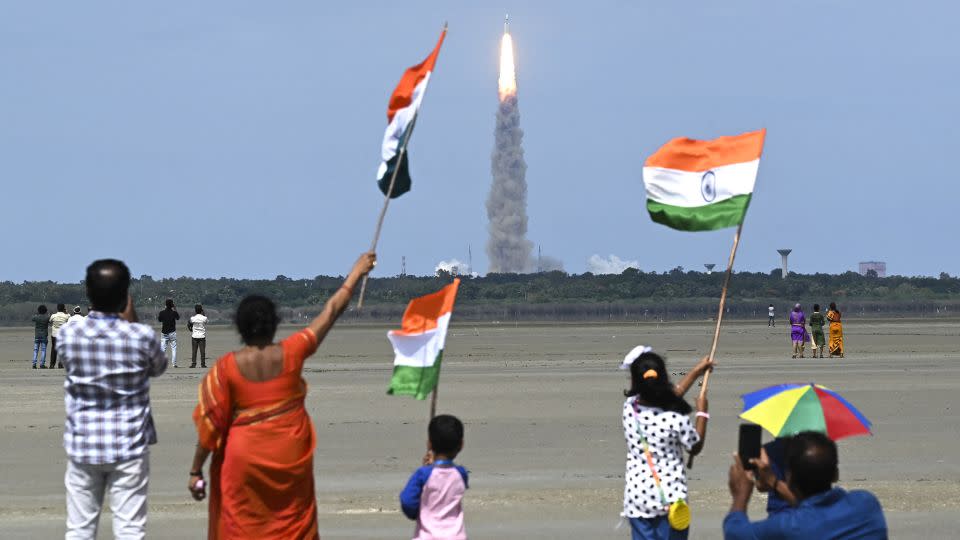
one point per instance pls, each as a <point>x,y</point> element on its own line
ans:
<point>506,24</point>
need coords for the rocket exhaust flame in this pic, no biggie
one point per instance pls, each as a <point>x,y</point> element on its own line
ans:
<point>507,84</point>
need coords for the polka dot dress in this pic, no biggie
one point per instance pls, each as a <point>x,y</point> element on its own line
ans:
<point>667,433</point>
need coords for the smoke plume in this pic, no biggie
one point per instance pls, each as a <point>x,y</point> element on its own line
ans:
<point>454,267</point>
<point>508,248</point>
<point>610,265</point>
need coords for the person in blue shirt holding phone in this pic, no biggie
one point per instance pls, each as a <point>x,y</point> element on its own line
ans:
<point>823,511</point>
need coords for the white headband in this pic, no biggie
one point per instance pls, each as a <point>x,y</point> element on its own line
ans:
<point>635,353</point>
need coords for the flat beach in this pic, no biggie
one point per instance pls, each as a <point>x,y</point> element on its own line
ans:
<point>544,445</point>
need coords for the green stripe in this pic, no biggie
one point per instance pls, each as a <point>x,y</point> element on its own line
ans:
<point>726,213</point>
<point>414,381</point>
<point>807,415</point>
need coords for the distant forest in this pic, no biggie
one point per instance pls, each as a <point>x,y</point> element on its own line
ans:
<point>549,296</point>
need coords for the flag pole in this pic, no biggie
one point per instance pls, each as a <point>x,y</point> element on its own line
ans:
<point>723,301</point>
<point>386,204</point>
<point>393,180</point>
<point>433,400</point>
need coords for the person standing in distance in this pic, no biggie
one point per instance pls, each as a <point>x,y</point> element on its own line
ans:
<point>77,316</point>
<point>771,316</point>
<point>168,330</point>
<point>197,325</point>
<point>40,323</point>
<point>57,320</point>
<point>109,359</point>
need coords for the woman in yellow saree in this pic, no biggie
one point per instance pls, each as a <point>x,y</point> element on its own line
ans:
<point>836,331</point>
<point>251,417</point>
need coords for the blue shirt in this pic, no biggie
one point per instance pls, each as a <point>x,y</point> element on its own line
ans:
<point>412,492</point>
<point>834,514</point>
<point>775,450</point>
<point>433,497</point>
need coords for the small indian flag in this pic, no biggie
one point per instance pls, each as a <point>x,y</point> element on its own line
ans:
<point>418,344</point>
<point>401,117</point>
<point>703,185</point>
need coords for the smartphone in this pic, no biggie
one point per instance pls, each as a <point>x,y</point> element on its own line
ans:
<point>749,447</point>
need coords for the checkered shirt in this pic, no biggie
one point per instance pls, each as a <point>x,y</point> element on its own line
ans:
<point>108,362</point>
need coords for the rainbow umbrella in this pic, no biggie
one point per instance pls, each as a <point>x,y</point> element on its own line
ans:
<point>788,409</point>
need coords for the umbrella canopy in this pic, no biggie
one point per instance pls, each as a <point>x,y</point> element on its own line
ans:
<point>788,409</point>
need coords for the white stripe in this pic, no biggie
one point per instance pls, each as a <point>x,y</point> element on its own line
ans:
<point>396,127</point>
<point>684,188</point>
<point>420,350</point>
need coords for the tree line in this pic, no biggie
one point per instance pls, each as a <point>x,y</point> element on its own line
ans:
<point>631,295</point>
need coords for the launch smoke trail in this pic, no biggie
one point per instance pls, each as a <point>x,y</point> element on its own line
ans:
<point>508,248</point>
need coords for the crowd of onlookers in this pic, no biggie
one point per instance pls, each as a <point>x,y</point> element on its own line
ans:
<point>47,328</point>
<point>799,336</point>
<point>252,420</point>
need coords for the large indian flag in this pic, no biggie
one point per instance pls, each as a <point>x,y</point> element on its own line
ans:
<point>401,117</point>
<point>703,185</point>
<point>418,344</point>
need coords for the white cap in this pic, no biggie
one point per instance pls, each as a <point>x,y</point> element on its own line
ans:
<point>634,353</point>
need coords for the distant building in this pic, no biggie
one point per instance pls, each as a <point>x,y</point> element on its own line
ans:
<point>877,266</point>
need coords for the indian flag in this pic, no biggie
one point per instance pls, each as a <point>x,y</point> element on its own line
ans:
<point>401,116</point>
<point>703,185</point>
<point>418,345</point>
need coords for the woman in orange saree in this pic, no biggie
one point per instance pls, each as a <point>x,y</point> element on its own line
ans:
<point>836,331</point>
<point>251,417</point>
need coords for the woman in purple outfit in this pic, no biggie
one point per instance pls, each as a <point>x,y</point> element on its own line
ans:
<point>798,330</point>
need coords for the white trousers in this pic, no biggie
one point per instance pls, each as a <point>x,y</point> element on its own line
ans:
<point>170,338</point>
<point>126,482</point>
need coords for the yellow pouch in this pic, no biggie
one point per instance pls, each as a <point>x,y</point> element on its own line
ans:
<point>679,516</point>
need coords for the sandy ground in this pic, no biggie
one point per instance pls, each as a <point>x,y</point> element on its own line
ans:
<point>542,411</point>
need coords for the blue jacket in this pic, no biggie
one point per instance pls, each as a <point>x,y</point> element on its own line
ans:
<point>834,514</point>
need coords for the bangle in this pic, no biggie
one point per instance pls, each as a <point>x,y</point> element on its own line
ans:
<point>197,473</point>
<point>703,414</point>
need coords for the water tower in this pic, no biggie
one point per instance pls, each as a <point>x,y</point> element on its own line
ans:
<point>709,267</point>
<point>783,260</point>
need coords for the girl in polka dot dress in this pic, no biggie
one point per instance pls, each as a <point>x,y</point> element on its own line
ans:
<point>655,415</point>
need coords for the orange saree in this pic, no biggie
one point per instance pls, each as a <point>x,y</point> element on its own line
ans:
<point>262,442</point>
<point>836,333</point>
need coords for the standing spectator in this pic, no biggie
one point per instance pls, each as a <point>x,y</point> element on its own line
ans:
<point>657,427</point>
<point>109,360</point>
<point>822,511</point>
<point>836,331</point>
<point>197,325</point>
<point>77,316</point>
<point>252,417</point>
<point>40,323</point>
<point>168,330</point>
<point>771,316</point>
<point>816,331</point>
<point>57,320</point>
<point>798,330</point>
<point>433,496</point>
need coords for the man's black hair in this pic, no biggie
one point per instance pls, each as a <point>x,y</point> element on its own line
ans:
<point>198,308</point>
<point>169,303</point>
<point>811,460</point>
<point>446,435</point>
<point>42,309</point>
<point>816,307</point>
<point>256,319</point>
<point>61,307</point>
<point>108,281</point>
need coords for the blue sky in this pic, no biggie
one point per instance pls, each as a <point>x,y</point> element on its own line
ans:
<point>242,138</point>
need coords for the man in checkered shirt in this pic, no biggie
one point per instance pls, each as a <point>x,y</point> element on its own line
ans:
<point>109,359</point>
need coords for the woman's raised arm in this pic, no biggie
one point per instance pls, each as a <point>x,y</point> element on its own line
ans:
<point>337,303</point>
